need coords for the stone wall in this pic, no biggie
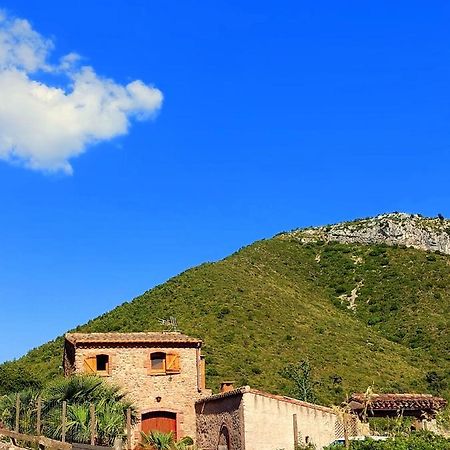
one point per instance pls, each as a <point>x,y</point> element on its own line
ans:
<point>129,368</point>
<point>269,423</point>
<point>213,416</point>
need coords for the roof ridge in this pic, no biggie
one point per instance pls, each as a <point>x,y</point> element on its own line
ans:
<point>130,337</point>
<point>282,398</point>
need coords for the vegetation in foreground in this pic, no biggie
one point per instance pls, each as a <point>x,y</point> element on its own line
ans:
<point>156,440</point>
<point>80,392</point>
<point>422,440</point>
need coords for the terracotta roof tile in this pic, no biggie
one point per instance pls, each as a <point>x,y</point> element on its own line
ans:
<point>281,398</point>
<point>397,401</point>
<point>130,338</point>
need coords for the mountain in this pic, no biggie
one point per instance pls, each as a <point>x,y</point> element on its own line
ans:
<point>365,302</point>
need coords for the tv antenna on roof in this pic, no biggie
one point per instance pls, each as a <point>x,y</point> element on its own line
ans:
<point>170,324</point>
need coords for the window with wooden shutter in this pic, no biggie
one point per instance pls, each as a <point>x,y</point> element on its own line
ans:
<point>172,363</point>
<point>158,362</point>
<point>102,365</point>
<point>90,364</point>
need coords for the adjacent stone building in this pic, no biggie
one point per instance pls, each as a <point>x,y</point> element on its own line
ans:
<point>162,373</point>
<point>248,419</point>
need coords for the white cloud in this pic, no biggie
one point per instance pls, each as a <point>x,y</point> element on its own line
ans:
<point>43,126</point>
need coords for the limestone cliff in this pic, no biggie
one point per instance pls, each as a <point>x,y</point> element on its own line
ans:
<point>411,230</point>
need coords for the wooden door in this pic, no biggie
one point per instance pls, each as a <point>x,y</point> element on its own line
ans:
<point>163,421</point>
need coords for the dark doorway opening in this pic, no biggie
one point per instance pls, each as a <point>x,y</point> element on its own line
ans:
<point>224,439</point>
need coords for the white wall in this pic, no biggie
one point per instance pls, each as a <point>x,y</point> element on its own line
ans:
<point>269,423</point>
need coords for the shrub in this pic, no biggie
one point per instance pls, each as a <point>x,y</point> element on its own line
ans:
<point>423,440</point>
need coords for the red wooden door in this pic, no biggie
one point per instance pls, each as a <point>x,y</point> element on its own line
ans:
<point>163,421</point>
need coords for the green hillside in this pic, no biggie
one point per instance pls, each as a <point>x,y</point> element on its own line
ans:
<point>279,300</point>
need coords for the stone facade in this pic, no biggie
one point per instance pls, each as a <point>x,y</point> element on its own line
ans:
<point>222,412</point>
<point>257,420</point>
<point>129,367</point>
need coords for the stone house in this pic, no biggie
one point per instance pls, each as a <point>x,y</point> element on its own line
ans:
<point>163,374</point>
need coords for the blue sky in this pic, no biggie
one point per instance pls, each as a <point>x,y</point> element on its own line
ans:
<point>276,115</point>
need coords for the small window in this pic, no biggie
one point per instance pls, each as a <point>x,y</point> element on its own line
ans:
<point>102,363</point>
<point>98,364</point>
<point>164,363</point>
<point>158,362</point>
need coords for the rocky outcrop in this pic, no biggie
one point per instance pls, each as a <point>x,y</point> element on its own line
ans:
<point>410,230</point>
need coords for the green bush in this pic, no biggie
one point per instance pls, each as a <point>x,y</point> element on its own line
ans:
<point>423,440</point>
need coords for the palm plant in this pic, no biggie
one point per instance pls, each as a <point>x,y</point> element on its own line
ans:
<point>78,423</point>
<point>110,421</point>
<point>7,410</point>
<point>79,393</point>
<point>185,443</point>
<point>82,389</point>
<point>28,407</point>
<point>157,440</point>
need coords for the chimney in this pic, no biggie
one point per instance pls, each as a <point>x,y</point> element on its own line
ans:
<point>226,386</point>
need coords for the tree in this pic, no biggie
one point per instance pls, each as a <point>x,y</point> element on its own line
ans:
<point>300,375</point>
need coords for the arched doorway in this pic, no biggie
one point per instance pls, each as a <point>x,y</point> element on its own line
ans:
<point>224,439</point>
<point>164,421</point>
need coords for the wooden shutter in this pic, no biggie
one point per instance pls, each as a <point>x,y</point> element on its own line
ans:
<point>90,364</point>
<point>172,363</point>
<point>202,372</point>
